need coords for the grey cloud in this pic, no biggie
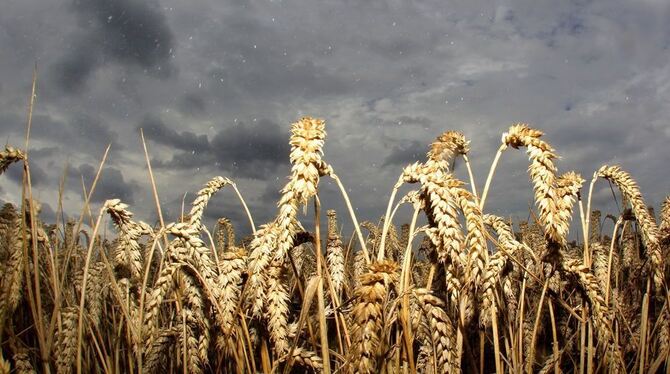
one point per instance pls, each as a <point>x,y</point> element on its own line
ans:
<point>111,185</point>
<point>90,133</point>
<point>156,130</point>
<point>387,76</point>
<point>192,104</point>
<point>131,32</point>
<point>38,178</point>
<point>252,150</point>
<point>406,153</point>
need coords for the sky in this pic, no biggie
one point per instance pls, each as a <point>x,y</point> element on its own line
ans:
<point>215,85</point>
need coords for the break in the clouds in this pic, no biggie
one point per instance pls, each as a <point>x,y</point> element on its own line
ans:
<point>215,85</point>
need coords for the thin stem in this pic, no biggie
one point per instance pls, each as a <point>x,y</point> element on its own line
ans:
<point>153,186</point>
<point>404,287</point>
<point>473,187</point>
<point>531,352</point>
<point>490,176</point>
<point>323,329</point>
<point>246,208</point>
<point>588,211</point>
<point>353,217</point>
<point>609,260</point>
<point>83,288</point>
<point>387,219</point>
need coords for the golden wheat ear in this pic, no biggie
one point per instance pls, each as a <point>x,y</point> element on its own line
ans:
<point>9,156</point>
<point>650,232</point>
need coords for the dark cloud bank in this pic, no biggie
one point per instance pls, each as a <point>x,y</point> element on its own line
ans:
<point>215,86</point>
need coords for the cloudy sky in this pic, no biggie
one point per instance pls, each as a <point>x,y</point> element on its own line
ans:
<point>216,84</point>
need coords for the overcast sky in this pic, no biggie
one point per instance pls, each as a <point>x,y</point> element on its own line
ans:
<point>216,84</point>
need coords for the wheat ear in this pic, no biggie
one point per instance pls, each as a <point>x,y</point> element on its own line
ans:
<point>650,233</point>
<point>9,156</point>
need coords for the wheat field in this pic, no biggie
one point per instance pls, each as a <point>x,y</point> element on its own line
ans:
<point>468,291</point>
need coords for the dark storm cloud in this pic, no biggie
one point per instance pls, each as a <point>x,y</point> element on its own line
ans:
<point>261,77</point>
<point>38,178</point>
<point>88,131</point>
<point>156,130</point>
<point>131,32</point>
<point>388,77</point>
<point>263,142</point>
<point>111,185</point>
<point>253,149</point>
<point>406,153</point>
<point>192,104</point>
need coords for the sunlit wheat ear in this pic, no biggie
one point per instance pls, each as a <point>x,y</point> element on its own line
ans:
<point>307,139</point>
<point>274,242</point>
<point>357,267</point>
<point>600,262</point>
<point>441,208</point>
<point>368,316</point>
<point>200,202</point>
<point>188,291</point>
<point>11,286</point>
<point>187,340</point>
<point>188,236</point>
<point>261,255</point>
<point>128,253</point>
<point>665,219</point>
<point>567,188</point>
<point>441,331</point>
<point>66,340</point>
<point>601,315</point>
<point>307,359</point>
<point>175,257</point>
<point>650,233</point>
<point>475,240</point>
<point>446,147</point>
<point>230,280</point>
<point>335,253</point>
<point>277,308</point>
<point>9,156</point>
<point>543,176</point>
<point>225,235</point>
